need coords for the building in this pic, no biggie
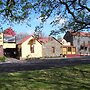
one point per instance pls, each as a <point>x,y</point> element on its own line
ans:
<point>8,43</point>
<point>67,48</point>
<point>30,47</point>
<point>80,40</point>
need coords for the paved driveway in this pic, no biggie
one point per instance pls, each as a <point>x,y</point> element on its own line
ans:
<point>12,60</point>
<point>38,64</point>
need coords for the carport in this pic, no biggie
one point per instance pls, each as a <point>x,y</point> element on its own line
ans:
<point>10,52</point>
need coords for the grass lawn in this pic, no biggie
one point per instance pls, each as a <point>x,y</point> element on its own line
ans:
<point>66,78</point>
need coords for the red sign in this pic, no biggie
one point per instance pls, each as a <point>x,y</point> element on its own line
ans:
<point>9,31</point>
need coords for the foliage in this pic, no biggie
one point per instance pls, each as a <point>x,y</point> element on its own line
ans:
<point>66,78</point>
<point>2,59</point>
<point>38,33</point>
<point>75,13</point>
<point>14,9</point>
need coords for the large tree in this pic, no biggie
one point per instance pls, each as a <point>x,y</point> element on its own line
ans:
<point>76,13</point>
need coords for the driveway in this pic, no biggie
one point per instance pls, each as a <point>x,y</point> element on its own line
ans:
<point>12,60</point>
<point>38,64</point>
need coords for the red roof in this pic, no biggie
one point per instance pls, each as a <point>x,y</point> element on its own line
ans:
<point>41,40</point>
<point>87,45</point>
<point>44,40</point>
<point>24,39</point>
<point>82,34</point>
<point>9,31</point>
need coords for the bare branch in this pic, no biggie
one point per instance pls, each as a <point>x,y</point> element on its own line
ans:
<point>83,6</point>
<point>72,13</point>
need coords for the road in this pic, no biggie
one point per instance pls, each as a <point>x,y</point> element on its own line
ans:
<point>38,64</point>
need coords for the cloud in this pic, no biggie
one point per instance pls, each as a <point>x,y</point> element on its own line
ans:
<point>60,20</point>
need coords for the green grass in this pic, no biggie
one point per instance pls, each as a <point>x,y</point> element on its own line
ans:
<point>66,78</point>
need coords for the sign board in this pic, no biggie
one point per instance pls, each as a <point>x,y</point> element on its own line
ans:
<point>9,38</point>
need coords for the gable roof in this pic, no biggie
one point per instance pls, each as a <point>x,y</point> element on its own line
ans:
<point>40,40</point>
<point>47,39</point>
<point>64,42</point>
<point>44,40</point>
<point>24,39</point>
<point>9,31</point>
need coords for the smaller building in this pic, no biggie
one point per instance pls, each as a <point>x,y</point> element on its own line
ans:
<point>67,48</point>
<point>30,47</point>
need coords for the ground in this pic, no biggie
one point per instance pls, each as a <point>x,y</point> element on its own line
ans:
<point>14,65</point>
<point>66,78</point>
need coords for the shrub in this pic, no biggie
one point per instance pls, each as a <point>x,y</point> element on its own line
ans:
<point>2,59</point>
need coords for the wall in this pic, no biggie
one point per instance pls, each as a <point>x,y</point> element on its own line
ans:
<point>25,48</point>
<point>47,48</point>
<point>1,50</point>
<point>78,41</point>
<point>26,53</point>
<point>37,50</point>
<point>9,45</point>
<point>1,38</point>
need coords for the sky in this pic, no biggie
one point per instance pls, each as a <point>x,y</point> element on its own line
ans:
<point>24,28</point>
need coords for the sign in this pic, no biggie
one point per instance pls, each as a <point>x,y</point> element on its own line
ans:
<point>9,31</point>
<point>9,35</point>
<point>9,38</point>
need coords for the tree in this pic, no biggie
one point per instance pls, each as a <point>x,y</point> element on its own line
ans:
<point>15,9</point>
<point>75,12</point>
<point>38,32</point>
<point>20,36</point>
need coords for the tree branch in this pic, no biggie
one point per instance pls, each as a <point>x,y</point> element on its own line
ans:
<point>72,13</point>
<point>83,6</point>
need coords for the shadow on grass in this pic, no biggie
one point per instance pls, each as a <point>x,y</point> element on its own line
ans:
<point>66,78</point>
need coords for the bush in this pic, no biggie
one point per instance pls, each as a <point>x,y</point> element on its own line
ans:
<point>2,59</point>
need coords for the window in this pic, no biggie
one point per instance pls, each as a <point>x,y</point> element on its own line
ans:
<point>53,49</point>
<point>81,47</point>
<point>73,49</point>
<point>78,41</point>
<point>83,43</point>
<point>85,48</point>
<point>69,49</point>
<point>88,42</point>
<point>64,50</point>
<point>32,48</point>
<point>31,42</point>
<point>89,49</point>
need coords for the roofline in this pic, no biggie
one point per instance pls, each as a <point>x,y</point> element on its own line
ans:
<point>57,40</point>
<point>68,46</point>
<point>23,41</point>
